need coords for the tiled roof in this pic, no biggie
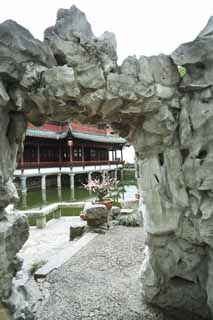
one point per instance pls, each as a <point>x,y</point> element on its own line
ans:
<point>77,126</point>
<point>77,130</point>
<point>107,138</point>
<point>45,134</point>
<point>92,133</point>
<point>48,130</point>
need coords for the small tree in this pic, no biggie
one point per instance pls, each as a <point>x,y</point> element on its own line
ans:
<point>101,188</point>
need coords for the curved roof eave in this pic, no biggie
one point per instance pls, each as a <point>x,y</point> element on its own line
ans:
<point>98,137</point>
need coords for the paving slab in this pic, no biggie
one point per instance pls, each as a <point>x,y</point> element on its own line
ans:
<point>48,243</point>
<point>64,255</point>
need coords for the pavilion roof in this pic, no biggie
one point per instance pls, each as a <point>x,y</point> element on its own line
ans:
<point>48,130</point>
<point>75,129</point>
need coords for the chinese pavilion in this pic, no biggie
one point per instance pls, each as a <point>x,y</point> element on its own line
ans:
<point>68,148</point>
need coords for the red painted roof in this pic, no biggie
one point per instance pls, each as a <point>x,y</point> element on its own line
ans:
<point>77,126</point>
<point>77,130</point>
<point>49,127</point>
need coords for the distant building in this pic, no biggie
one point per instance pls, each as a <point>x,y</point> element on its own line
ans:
<point>68,148</point>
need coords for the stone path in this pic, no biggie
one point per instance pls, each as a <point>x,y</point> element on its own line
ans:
<point>50,241</point>
<point>101,282</point>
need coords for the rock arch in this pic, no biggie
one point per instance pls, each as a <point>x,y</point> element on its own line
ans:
<point>167,118</point>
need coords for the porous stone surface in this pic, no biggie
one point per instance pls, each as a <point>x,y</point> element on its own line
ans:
<point>73,74</point>
<point>100,282</point>
<point>76,231</point>
<point>13,234</point>
<point>96,215</point>
<point>115,211</point>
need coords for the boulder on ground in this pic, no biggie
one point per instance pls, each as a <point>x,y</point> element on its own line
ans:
<point>131,204</point>
<point>76,231</point>
<point>96,215</point>
<point>115,212</point>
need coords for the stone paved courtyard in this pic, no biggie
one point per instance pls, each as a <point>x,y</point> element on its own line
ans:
<point>101,282</point>
<point>48,242</point>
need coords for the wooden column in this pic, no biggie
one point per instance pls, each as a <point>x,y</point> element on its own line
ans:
<point>60,153</point>
<point>113,156</point>
<point>82,151</point>
<point>70,150</point>
<point>38,153</point>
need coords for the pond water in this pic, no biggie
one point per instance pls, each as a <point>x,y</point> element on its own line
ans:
<point>36,198</point>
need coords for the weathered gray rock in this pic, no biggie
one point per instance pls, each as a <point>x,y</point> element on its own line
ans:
<point>106,50</point>
<point>18,46</point>
<point>4,98</point>
<point>144,70</point>
<point>115,211</point>
<point>13,234</point>
<point>127,88</point>
<point>73,74</point>
<point>76,231</point>
<point>96,215</point>
<point>72,23</point>
<point>25,298</point>
<point>91,77</point>
<point>68,88</point>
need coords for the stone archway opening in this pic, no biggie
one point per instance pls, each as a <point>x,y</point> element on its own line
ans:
<point>73,74</point>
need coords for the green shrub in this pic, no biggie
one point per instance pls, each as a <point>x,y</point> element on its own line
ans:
<point>129,220</point>
<point>37,265</point>
<point>182,71</point>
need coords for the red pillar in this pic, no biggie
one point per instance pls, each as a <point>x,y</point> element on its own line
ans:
<point>70,153</point>
<point>70,145</point>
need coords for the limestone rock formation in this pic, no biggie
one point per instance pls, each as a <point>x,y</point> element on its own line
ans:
<point>13,234</point>
<point>73,74</point>
<point>95,215</point>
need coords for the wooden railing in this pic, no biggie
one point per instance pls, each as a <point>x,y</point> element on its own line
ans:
<point>57,164</point>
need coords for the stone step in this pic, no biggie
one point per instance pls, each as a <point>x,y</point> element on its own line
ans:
<point>127,211</point>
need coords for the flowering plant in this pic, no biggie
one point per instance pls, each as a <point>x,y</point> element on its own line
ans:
<point>101,188</point>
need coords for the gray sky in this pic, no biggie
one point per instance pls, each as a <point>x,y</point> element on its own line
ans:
<point>145,27</point>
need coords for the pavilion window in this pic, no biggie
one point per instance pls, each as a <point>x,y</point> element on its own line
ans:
<point>103,154</point>
<point>93,154</point>
<point>65,154</point>
<point>30,153</point>
<point>80,153</point>
<point>77,153</point>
